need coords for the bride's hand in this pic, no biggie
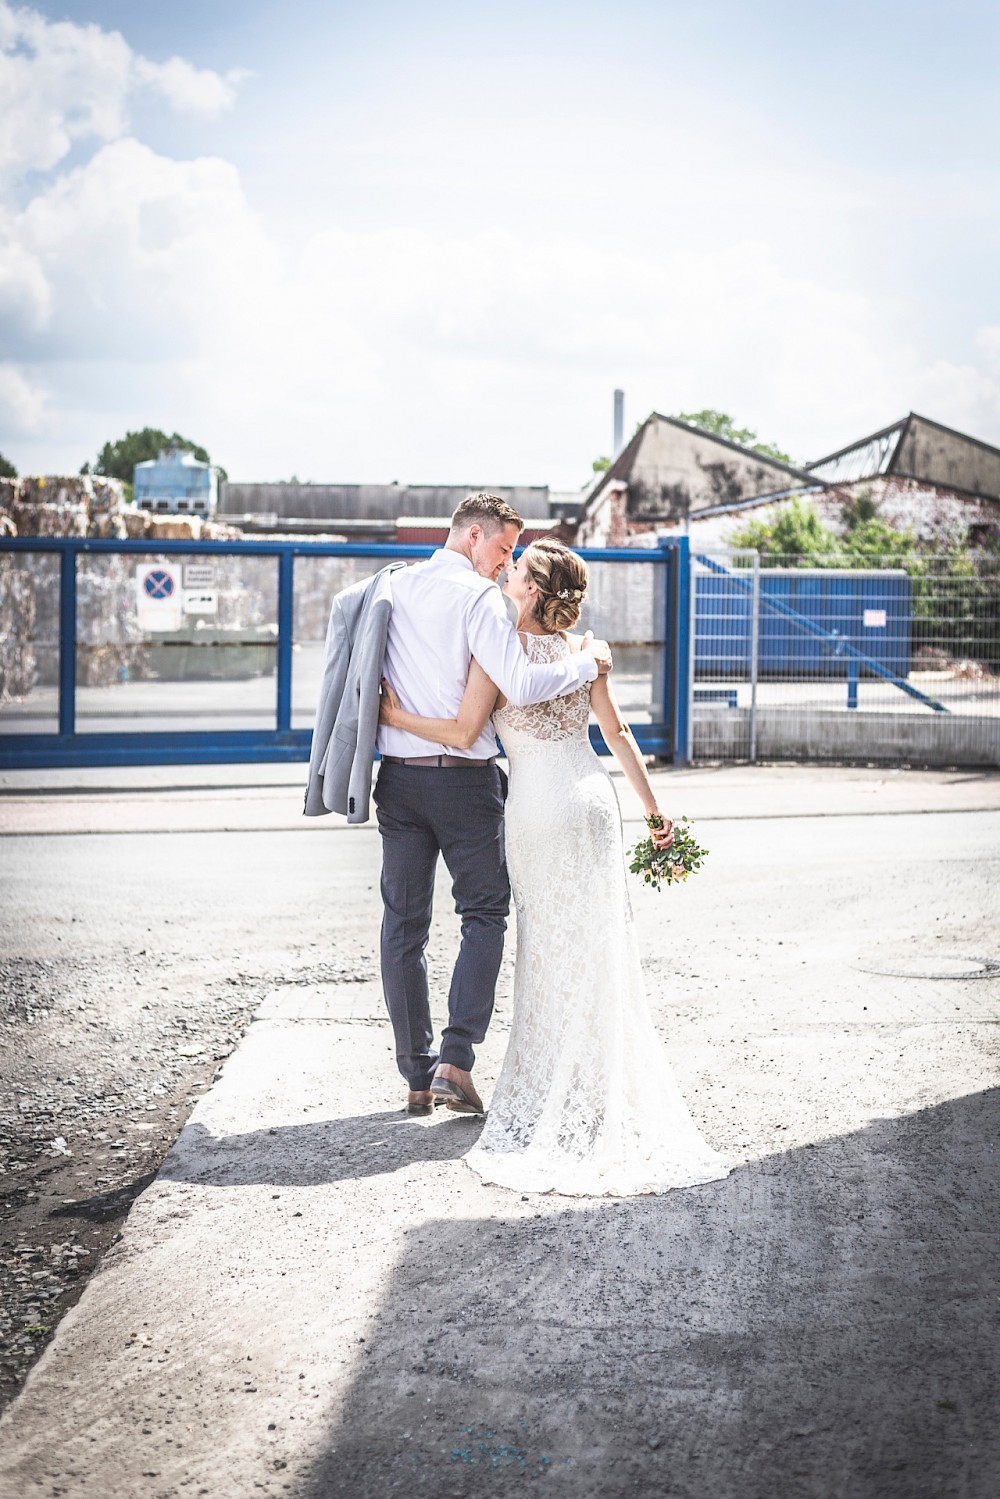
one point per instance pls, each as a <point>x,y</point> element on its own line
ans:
<point>389,704</point>
<point>663,837</point>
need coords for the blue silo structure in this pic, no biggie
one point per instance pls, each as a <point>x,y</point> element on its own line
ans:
<point>176,483</point>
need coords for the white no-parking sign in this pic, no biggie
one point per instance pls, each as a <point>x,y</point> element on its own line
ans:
<point>159,596</point>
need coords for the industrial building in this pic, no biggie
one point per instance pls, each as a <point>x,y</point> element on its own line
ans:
<point>671,477</point>
<point>176,483</point>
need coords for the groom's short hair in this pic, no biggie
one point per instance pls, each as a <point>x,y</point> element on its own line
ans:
<point>486,510</point>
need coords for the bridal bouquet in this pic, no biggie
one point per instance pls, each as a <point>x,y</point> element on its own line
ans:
<point>668,866</point>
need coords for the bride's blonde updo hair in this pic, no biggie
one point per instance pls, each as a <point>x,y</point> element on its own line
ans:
<point>561,579</point>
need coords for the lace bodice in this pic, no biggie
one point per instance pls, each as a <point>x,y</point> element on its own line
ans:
<point>561,717</point>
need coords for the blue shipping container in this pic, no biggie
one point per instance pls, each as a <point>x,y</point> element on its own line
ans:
<point>870,609</point>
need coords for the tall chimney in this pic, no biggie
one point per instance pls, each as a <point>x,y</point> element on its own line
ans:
<point>619,422</point>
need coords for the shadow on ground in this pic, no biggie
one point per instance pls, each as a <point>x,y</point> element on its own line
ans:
<point>823,1323</point>
<point>102,1207</point>
<point>309,1155</point>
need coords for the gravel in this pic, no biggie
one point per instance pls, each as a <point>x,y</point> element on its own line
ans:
<point>102,1057</point>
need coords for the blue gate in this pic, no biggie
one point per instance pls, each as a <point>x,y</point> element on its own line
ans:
<point>183,573</point>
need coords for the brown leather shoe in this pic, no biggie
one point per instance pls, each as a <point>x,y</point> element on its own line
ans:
<point>452,1086</point>
<point>420,1102</point>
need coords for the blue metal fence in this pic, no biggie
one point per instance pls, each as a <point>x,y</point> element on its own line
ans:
<point>666,737</point>
<point>868,609</point>
<point>832,652</point>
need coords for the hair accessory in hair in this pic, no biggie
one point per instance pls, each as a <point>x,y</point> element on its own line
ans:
<point>570,593</point>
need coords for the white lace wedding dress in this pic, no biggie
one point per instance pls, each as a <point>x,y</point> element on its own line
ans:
<point>586,1103</point>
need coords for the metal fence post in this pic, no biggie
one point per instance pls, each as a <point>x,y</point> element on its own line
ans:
<point>692,643</point>
<point>67,640</point>
<point>754,654</point>
<point>682,686</point>
<point>283,666</point>
<point>852,682</point>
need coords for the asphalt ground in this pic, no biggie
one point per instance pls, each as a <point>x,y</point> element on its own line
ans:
<point>314,1296</point>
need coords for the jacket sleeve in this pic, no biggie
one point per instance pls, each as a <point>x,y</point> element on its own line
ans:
<point>370,649</point>
<point>494,643</point>
<point>331,691</point>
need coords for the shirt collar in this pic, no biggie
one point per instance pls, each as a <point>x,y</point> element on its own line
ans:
<point>448,557</point>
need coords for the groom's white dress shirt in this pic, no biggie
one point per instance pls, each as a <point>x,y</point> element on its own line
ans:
<point>443,614</point>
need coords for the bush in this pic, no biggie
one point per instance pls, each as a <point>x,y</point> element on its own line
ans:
<point>955,589</point>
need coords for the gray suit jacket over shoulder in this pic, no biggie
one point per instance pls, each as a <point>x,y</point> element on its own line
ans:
<point>343,742</point>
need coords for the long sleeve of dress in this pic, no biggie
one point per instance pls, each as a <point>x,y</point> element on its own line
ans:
<point>494,643</point>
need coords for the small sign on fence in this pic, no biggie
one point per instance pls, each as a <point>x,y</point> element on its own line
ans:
<point>201,601</point>
<point>159,597</point>
<point>874,619</point>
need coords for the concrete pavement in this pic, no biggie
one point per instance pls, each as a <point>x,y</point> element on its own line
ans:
<point>193,798</point>
<point>316,1297</point>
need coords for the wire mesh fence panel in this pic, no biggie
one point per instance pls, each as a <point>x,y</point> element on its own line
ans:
<point>624,604</point>
<point>175,642</point>
<point>29,643</point>
<point>316,581</point>
<point>826,657</point>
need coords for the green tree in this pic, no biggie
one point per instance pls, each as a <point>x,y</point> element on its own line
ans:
<point>873,541</point>
<point>117,460</point>
<point>858,507</point>
<point>7,469</point>
<point>955,588</point>
<point>797,535</point>
<point>721,425</point>
<point>601,465</point>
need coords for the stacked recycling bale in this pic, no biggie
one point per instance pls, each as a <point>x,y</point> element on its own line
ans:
<point>47,506</point>
<point>317,579</point>
<point>8,492</point>
<point>18,661</point>
<point>76,505</point>
<point>110,646</point>
<point>136,523</point>
<point>107,508</point>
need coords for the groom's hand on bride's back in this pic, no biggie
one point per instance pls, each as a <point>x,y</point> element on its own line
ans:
<point>601,652</point>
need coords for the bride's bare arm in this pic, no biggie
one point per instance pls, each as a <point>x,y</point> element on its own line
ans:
<point>461,732</point>
<point>620,741</point>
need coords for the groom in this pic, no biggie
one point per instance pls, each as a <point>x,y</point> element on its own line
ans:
<point>432,799</point>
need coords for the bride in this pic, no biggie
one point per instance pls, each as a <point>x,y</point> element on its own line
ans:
<point>586,1103</point>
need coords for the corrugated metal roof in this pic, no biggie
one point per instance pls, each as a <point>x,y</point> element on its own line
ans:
<point>866,459</point>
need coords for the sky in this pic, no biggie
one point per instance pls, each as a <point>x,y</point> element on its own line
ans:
<point>425,243</point>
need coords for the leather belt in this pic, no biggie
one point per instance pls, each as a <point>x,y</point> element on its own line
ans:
<point>440,762</point>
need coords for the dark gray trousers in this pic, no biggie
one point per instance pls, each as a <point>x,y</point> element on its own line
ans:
<point>457,812</point>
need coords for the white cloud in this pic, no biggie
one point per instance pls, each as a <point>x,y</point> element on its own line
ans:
<point>418,356</point>
<point>988,339</point>
<point>22,404</point>
<point>61,83</point>
<point>140,256</point>
<point>25,293</point>
<point>963,395</point>
<point>189,89</point>
<point>137,289</point>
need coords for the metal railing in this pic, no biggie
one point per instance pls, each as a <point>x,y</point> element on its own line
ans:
<point>90,676</point>
<point>825,658</point>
